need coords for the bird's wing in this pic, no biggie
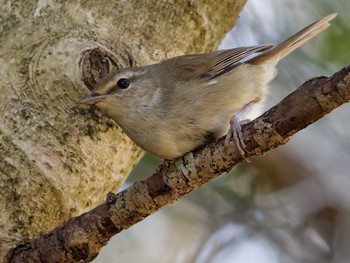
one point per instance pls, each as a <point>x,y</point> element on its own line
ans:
<point>227,60</point>
<point>212,65</point>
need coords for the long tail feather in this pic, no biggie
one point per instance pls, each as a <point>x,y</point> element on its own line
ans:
<point>280,51</point>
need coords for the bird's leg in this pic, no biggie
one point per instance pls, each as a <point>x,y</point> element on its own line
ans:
<point>235,130</point>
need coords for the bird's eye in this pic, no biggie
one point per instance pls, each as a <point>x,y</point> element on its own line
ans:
<point>123,83</point>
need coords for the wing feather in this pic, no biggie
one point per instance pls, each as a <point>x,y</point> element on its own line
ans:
<point>206,67</point>
<point>227,60</point>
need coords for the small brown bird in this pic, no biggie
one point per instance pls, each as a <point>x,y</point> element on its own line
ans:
<point>177,105</point>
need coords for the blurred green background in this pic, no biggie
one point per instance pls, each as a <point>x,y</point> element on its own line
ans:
<point>292,205</point>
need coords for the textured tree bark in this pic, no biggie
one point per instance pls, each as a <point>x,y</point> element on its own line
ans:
<point>57,158</point>
<point>82,237</point>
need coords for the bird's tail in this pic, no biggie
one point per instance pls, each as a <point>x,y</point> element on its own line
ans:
<point>280,51</point>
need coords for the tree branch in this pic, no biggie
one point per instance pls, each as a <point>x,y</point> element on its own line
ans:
<point>82,237</point>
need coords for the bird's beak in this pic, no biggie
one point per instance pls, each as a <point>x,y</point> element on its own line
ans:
<point>93,98</point>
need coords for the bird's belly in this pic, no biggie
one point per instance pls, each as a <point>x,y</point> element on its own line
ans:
<point>170,145</point>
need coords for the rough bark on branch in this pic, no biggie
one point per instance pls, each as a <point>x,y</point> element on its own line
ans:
<point>82,237</point>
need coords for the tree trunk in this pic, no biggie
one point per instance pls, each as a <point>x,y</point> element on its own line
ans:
<point>58,158</point>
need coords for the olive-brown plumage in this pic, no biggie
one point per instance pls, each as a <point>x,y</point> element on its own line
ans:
<point>173,107</point>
